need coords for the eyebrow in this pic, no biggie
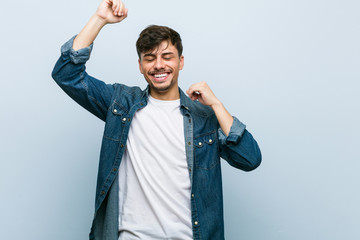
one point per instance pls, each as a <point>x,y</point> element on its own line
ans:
<point>154,55</point>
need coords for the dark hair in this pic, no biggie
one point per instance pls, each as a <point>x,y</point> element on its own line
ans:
<point>153,35</point>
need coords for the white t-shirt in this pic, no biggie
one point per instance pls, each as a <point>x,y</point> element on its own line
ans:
<point>154,182</point>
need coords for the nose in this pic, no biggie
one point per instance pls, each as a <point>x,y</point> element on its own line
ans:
<point>159,64</point>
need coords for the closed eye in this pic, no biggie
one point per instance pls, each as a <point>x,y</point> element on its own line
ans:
<point>149,59</point>
<point>168,55</point>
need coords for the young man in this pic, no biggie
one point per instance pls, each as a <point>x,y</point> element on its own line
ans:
<point>159,172</point>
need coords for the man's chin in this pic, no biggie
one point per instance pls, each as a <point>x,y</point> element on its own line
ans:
<point>163,89</point>
<point>160,89</point>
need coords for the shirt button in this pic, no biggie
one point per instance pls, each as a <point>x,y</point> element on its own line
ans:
<point>122,145</point>
<point>192,195</point>
<point>102,192</point>
<point>124,119</point>
<point>129,119</point>
<point>114,169</point>
<point>196,222</point>
<point>200,143</point>
<point>115,111</point>
<point>210,141</point>
<point>189,143</point>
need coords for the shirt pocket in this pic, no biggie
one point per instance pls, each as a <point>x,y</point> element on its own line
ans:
<point>206,154</point>
<point>116,121</point>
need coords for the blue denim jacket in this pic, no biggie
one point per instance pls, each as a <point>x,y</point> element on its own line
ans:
<point>116,104</point>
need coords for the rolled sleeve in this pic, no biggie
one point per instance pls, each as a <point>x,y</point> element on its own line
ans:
<point>236,131</point>
<point>77,57</point>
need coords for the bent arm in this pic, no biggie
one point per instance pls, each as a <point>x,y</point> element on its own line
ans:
<point>202,92</point>
<point>239,148</point>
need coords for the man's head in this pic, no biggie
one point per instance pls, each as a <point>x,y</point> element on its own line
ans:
<point>151,37</point>
<point>160,59</point>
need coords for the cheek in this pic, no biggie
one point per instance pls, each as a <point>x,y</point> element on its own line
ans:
<point>144,68</point>
<point>176,66</point>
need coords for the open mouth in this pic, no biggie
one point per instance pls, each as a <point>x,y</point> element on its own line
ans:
<point>160,77</point>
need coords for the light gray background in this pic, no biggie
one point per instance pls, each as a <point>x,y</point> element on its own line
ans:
<point>288,69</point>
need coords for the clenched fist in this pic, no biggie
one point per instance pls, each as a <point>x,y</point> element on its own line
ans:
<point>202,92</point>
<point>112,11</point>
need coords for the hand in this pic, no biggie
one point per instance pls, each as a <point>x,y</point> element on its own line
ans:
<point>202,92</point>
<point>112,11</point>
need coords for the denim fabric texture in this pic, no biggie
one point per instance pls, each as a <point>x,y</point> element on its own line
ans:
<point>206,143</point>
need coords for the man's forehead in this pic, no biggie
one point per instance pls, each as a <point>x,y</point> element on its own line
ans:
<point>163,47</point>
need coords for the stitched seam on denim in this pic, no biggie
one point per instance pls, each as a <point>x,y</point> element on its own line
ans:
<point>205,115</point>
<point>102,187</point>
<point>119,148</point>
<point>209,168</point>
<point>112,139</point>
<point>246,153</point>
<point>198,218</point>
<point>192,109</point>
<point>97,103</point>
<point>87,91</point>
<point>121,106</point>
<point>115,94</point>
<point>129,92</point>
<point>107,177</point>
<point>205,134</point>
<point>195,158</point>
<point>189,137</point>
<point>132,93</point>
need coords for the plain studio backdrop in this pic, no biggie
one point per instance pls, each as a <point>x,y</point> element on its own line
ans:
<point>288,69</point>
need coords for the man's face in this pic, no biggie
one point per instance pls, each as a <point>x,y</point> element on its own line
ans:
<point>160,68</point>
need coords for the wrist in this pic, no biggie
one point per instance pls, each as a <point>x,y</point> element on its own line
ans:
<point>216,105</point>
<point>99,21</point>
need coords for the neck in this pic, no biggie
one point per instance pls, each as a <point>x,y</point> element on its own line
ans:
<point>165,96</point>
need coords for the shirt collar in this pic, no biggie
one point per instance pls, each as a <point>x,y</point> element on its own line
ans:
<point>185,101</point>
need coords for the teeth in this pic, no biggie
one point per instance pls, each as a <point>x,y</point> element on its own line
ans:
<point>160,75</point>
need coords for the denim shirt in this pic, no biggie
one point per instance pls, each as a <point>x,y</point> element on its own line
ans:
<point>205,143</point>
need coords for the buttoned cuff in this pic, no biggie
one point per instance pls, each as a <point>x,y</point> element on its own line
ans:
<point>236,131</point>
<point>78,56</point>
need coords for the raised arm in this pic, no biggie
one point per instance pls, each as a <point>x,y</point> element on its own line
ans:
<point>109,11</point>
<point>70,71</point>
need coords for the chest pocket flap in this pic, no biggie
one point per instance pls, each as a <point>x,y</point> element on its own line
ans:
<point>206,150</point>
<point>116,121</point>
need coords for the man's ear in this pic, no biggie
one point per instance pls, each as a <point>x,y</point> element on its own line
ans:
<point>181,62</point>
<point>140,67</point>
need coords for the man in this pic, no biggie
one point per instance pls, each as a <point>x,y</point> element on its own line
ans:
<point>159,172</point>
